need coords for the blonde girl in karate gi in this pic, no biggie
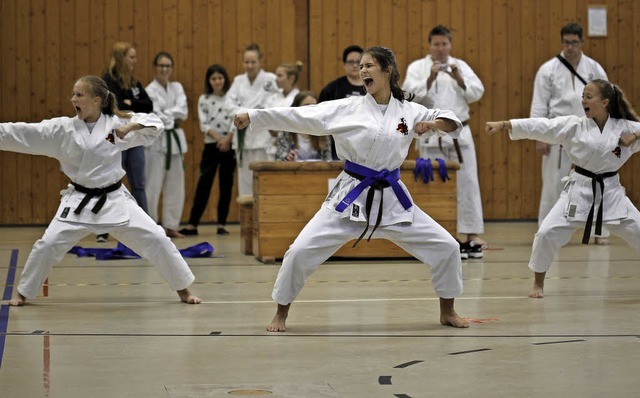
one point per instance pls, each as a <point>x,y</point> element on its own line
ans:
<point>598,144</point>
<point>373,133</point>
<point>164,167</point>
<point>89,148</point>
<point>253,89</point>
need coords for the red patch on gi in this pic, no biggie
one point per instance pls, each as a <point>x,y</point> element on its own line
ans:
<point>111,137</point>
<point>402,127</point>
<point>617,151</point>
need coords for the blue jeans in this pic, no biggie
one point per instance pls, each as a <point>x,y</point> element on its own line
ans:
<point>133,164</point>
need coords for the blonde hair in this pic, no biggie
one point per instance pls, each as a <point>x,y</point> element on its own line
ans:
<point>117,68</point>
<point>109,104</point>
<point>293,70</point>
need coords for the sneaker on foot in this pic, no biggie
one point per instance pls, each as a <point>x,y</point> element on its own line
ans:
<point>464,253</point>
<point>474,250</point>
<point>189,232</point>
<point>222,231</point>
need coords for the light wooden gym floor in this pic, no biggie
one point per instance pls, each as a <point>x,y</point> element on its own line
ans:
<point>359,328</point>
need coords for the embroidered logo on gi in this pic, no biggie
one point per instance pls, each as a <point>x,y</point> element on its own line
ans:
<point>617,151</point>
<point>355,211</point>
<point>402,127</point>
<point>111,137</point>
<point>65,212</point>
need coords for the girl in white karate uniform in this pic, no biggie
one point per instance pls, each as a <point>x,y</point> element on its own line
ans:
<point>598,144</point>
<point>164,169</point>
<point>254,89</point>
<point>373,134</point>
<point>89,148</point>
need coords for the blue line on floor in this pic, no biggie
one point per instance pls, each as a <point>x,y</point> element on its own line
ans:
<point>4,309</point>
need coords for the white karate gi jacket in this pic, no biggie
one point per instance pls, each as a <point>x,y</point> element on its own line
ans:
<point>243,95</point>
<point>88,159</point>
<point>556,92</point>
<point>445,93</point>
<point>169,104</point>
<point>363,135</point>
<point>591,150</point>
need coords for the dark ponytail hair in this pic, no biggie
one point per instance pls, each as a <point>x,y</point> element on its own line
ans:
<point>387,61</point>
<point>109,104</point>
<point>619,107</point>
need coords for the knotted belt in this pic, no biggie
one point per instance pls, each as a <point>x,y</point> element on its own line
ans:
<point>171,135</point>
<point>595,179</point>
<point>93,192</point>
<point>376,180</point>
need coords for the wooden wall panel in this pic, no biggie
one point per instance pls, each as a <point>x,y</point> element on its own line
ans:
<point>45,45</point>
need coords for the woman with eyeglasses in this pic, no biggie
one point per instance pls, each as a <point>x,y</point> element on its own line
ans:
<point>164,168</point>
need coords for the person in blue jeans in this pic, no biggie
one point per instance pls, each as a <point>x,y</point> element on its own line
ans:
<point>131,96</point>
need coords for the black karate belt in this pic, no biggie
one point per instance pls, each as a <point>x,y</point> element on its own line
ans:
<point>171,134</point>
<point>378,185</point>
<point>93,192</point>
<point>595,179</point>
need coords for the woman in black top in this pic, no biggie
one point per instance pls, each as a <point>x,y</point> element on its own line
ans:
<point>131,96</point>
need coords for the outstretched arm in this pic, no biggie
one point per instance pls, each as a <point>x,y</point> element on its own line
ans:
<point>494,127</point>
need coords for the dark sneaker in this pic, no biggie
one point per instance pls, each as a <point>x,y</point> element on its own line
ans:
<point>189,232</point>
<point>464,253</point>
<point>222,231</point>
<point>474,250</point>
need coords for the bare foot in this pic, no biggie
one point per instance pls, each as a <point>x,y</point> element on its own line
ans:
<point>18,301</point>
<point>477,240</point>
<point>172,233</point>
<point>602,241</point>
<point>536,292</point>
<point>538,285</point>
<point>279,319</point>
<point>448,315</point>
<point>187,297</point>
<point>454,320</point>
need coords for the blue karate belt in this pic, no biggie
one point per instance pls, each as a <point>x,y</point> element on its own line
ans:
<point>425,168</point>
<point>442,169</point>
<point>92,192</point>
<point>376,180</point>
<point>122,252</point>
<point>595,179</point>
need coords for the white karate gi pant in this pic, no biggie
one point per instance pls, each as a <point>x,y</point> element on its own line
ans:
<point>245,175</point>
<point>555,166</point>
<point>470,218</point>
<point>140,234</point>
<point>169,183</point>
<point>327,231</point>
<point>556,231</point>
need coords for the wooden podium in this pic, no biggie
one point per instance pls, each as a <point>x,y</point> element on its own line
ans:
<point>288,194</point>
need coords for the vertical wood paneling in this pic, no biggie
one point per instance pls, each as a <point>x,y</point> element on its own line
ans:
<point>9,204</point>
<point>38,177</point>
<point>514,155</point>
<point>45,45</point>
<point>23,60</point>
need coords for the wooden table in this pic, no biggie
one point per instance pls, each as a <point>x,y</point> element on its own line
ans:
<point>288,194</point>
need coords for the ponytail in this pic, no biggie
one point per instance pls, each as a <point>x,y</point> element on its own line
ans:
<point>619,107</point>
<point>109,104</point>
